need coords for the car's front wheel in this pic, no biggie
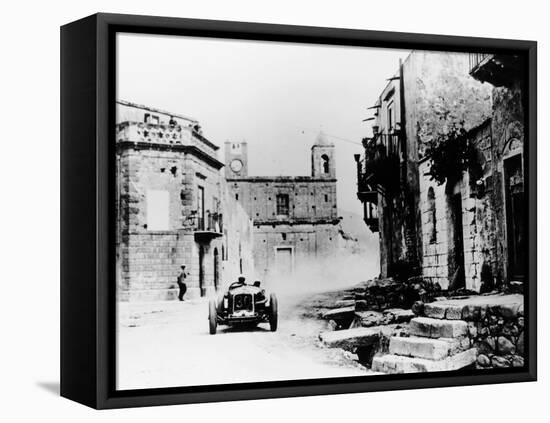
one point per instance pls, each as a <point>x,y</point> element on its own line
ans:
<point>212,316</point>
<point>273,312</point>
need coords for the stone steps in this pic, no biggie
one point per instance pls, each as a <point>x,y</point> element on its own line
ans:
<point>435,328</point>
<point>428,348</point>
<point>392,363</point>
<point>433,345</point>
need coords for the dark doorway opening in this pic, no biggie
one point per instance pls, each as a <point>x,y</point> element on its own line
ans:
<point>515,217</point>
<point>456,253</point>
<point>216,269</point>
<point>201,271</point>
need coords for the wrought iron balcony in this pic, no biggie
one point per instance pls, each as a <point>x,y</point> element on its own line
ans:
<point>381,167</point>
<point>365,191</point>
<point>496,69</point>
<point>370,216</point>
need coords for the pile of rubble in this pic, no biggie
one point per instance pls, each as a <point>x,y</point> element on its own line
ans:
<point>364,321</point>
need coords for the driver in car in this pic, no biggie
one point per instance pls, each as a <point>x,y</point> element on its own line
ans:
<point>241,280</point>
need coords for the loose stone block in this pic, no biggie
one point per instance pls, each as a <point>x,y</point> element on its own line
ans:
<point>435,328</point>
<point>398,315</point>
<point>368,318</point>
<point>434,310</point>
<point>349,339</point>
<point>509,311</point>
<point>483,360</point>
<point>431,349</point>
<point>345,303</point>
<point>339,313</point>
<point>500,362</point>
<point>505,346</point>
<point>517,361</point>
<point>453,312</point>
<point>391,363</point>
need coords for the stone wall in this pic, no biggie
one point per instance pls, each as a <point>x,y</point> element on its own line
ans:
<point>478,221</point>
<point>431,82</point>
<point>307,243</point>
<point>287,238</point>
<point>309,198</point>
<point>484,208</point>
<point>498,333</point>
<point>148,266</point>
<point>495,326</point>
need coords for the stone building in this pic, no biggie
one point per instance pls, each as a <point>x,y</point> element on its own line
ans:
<point>295,218</point>
<point>173,208</point>
<point>467,230</point>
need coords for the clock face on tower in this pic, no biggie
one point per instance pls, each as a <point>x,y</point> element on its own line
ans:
<point>236,165</point>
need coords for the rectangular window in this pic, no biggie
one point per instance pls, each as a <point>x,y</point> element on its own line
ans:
<point>282,204</point>
<point>152,119</point>
<point>200,208</point>
<point>158,210</point>
<point>391,117</point>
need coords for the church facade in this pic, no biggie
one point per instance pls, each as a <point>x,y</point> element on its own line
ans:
<point>295,218</point>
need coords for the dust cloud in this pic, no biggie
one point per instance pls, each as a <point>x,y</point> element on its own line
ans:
<point>316,275</point>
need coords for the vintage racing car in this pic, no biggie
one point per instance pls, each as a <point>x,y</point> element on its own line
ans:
<point>243,304</point>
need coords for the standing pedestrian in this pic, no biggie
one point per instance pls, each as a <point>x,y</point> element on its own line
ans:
<point>181,282</point>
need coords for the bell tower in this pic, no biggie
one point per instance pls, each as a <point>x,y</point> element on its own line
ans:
<point>236,160</point>
<point>322,158</point>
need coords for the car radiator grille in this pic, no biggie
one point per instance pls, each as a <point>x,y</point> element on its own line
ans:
<point>243,302</point>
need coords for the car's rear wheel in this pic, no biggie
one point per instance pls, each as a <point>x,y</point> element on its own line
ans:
<point>212,316</point>
<point>273,312</point>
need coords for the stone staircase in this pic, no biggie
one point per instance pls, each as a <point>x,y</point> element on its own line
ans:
<point>433,345</point>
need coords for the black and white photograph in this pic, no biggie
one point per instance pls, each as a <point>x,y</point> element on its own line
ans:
<point>290,211</point>
<point>275,211</point>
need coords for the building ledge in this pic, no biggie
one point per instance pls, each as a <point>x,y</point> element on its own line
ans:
<point>291,222</point>
<point>281,179</point>
<point>187,149</point>
<point>206,235</point>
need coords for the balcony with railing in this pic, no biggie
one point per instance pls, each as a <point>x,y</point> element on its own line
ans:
<point>496,69</point>
<point>379,171</point>
<point>207,226</point>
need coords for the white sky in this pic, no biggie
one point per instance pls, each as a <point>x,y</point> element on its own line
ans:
<point>276,96</point>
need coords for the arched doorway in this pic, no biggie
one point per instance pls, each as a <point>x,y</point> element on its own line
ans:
<point>201,271</point>
<point>216,269</point>
<point>325,163</point>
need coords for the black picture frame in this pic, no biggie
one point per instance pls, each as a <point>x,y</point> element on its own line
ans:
<point>87,172</point>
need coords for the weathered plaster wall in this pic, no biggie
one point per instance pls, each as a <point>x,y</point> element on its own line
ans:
<point>481,260</point>
<point>507,142</point>
<point>436,90</point>
<point>308,198</point>
<point>308,242</point>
